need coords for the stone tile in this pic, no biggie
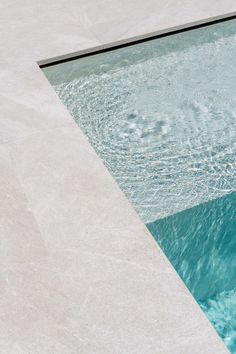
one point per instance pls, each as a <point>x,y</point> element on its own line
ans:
<point>21,240</point>
<point>102,252</point>
<point>18,121</point>
<point>80,187</point>
<point>79,272</point>
<point>34,301</point>
<point>214,8</point>
<point>27,289</point>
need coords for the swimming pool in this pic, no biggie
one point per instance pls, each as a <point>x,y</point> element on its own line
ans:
<point>162,117</point>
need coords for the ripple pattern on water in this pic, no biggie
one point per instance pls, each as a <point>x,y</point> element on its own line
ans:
<point>221,311</point>
<point>164,127</point>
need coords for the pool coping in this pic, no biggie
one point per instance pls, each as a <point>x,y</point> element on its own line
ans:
<point>110,46</point>
<point>84,287</point>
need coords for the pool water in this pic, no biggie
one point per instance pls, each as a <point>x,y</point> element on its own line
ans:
<point>162,116</point>
<point>201,244</point>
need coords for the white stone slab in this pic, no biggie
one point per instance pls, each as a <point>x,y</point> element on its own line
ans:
<point>79,271</point>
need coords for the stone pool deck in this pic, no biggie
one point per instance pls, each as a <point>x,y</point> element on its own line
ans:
<point>80,273</point>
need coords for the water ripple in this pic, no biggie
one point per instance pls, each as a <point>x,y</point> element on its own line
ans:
<point>165,127</point>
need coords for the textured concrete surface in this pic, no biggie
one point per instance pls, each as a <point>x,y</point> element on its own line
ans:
<point>79,271</point>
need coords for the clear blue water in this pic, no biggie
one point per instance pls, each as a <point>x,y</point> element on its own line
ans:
<point>221,311</point>
<point>162,116</point>
<point>201,244</point>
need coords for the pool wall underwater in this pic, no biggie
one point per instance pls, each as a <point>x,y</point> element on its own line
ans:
<point>125,115</point>
<point>201,244</point>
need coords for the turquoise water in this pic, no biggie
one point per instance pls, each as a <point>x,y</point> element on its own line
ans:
<point>162,116</point>
<point>201,244</point>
